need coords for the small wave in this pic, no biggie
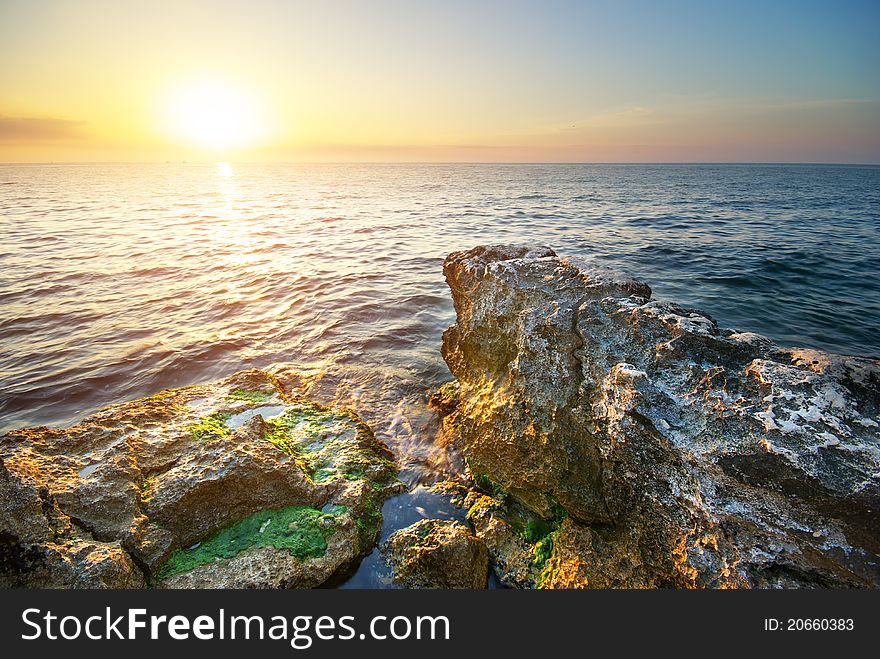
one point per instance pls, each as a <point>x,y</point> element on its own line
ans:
<point>339,269</point>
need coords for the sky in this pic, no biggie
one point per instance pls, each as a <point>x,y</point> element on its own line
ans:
<point>477,81</point>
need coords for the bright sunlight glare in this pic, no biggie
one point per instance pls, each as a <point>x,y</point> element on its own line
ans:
<point>215,115</point>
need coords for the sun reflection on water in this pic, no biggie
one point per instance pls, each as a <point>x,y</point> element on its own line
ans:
<point>231,231</point>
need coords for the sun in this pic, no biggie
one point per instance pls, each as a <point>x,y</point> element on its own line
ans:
<point>216,115</point>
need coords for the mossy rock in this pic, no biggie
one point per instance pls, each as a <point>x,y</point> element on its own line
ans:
<point>300,530</point>
<point>228,484</point>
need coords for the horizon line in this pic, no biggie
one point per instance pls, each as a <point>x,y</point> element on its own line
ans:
<point>442,162</point>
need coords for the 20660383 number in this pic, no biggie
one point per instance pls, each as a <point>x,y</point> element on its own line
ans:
<point>809,624</point>
<point>819,624</point>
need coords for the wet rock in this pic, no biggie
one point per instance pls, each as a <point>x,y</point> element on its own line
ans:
<point>512,535</point>
<point>437,554</point>
<point>230,484</point>
<point>659,449</point>
<point>54,557</point>
<point>514,559</point>
<point>445,399</point>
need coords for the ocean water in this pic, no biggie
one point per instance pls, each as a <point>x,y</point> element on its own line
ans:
<point>120,280</point>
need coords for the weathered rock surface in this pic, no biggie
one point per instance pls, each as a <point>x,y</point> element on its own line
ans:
<point>231,484</point>
<point>435,553</point>
<point>656,449</point>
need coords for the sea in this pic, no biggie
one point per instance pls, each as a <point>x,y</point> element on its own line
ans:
<point>118,280</point>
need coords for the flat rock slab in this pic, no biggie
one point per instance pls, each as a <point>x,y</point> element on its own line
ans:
<point>229,484</point>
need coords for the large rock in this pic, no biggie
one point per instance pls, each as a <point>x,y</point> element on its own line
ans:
<point>658,449</point>
<point>231,484</point>
<point>435,553</point>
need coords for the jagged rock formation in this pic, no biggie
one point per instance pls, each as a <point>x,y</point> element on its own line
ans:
<point>656,449</point>
<point>435,553</point>
<point>231,484</point>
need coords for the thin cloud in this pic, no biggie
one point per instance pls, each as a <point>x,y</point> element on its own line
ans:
<point>39,129</point>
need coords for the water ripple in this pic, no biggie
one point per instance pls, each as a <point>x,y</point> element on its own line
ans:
<point>111,289</point>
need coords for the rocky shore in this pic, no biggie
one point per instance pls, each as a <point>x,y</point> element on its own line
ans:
<point>235,484</point>
<point>623,442</point>
<point>611,441</point>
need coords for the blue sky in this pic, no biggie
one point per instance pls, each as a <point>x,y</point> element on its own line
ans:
<point>383,80</point>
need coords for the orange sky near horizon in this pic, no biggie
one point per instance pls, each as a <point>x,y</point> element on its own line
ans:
<point>393,81</point>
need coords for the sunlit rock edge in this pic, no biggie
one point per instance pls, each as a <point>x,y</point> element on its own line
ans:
<point>620,441</point>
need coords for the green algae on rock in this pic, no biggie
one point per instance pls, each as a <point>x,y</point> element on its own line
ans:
<point>251,396</point>
<point>210,427</point>
<point>301,530</point>
<point>143,481</point>
<point>520,543</point>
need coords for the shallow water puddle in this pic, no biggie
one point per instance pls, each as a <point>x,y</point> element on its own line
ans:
<point>266,411</point>
<point>398,512</point>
